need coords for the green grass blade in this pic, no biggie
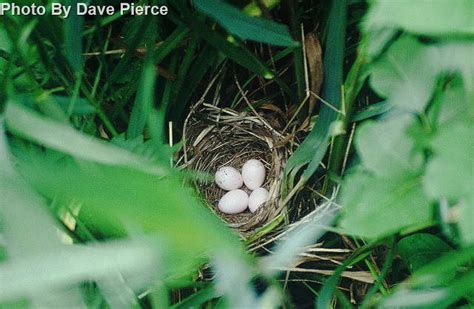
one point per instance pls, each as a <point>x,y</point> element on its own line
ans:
<point>184,77</point>
<point>145,97</point>
<point>244,26</point>
<point>197,299</point>
<point>143,102</point>
<point>280,55</point>
<point>123,65</point>
<point>330,284</point>
<point>206,61</point>
<point>372,110</point>
<point>157,119</point>
<point>72,38</point>
<point>314,147</point>
<point>171,42</point>
<point>61,137</point>
<point>237,53</point>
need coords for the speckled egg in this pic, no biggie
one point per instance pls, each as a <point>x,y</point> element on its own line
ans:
<point>228,178</point>
<point>257,198</point>
<point>234,202</point>
<point>253,174</point>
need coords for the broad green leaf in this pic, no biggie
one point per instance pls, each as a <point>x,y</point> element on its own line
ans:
<point>20,205</point>
<point>27,231</point>
<point>420,249</point>
<point>61,137</point>
<point>378,206</point>
<point>440,270</point>
<point>456,105</point>
<point>456,57</point>
<point>404,75</point>
<point>450,174</point>
<point>40,264</point>
<point>244,26</point>
<point>42,275</point>
<point>425,17</point>
<point>377,40</point>
<point>407,73</point>
<point>115,198</point>
<point>466,217</point>
<point>385,148</point>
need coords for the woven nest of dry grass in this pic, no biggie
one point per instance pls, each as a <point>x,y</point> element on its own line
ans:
<point>214,137</point>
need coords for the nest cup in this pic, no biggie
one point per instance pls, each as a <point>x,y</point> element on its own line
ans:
<point>215,137</point>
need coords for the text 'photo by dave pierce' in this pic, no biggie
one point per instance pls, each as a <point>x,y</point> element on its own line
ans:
<point>80,9</point>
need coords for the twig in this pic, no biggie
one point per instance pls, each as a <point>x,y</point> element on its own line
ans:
<point>362,276</point>
<point>265,123</point>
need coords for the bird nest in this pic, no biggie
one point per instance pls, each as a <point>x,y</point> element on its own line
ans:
<point>214,137</point>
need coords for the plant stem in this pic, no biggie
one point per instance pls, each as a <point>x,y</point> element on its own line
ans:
<point>353,84</point>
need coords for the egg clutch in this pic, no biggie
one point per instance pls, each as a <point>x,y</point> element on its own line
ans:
<point>237,200</point>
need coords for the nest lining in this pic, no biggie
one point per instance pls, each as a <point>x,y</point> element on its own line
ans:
<point>215,137</point>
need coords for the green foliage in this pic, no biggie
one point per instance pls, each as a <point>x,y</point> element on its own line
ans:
<point>143,105</point>
<point>385,149</point>
<point>84,104</point>
<point>407,73</point>
<point>244,26</point>
<point>61,137</point>
<point>440,283</point>
<point>5,42</point>
<point>420,249</point>
<point>450,173</point>
<point>382,205</point>
<point>394,149</point>
<point>72,31</point>
<point>423,17</point>
<point>416,168</point>
<point>236,52</point>
<point>314,147</point>
<point>113,198</point>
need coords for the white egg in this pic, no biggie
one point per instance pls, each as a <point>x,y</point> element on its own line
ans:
<point>228,178</point>
<point>257,198</point>
<point>234,202</point>
<point>253,174</point>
